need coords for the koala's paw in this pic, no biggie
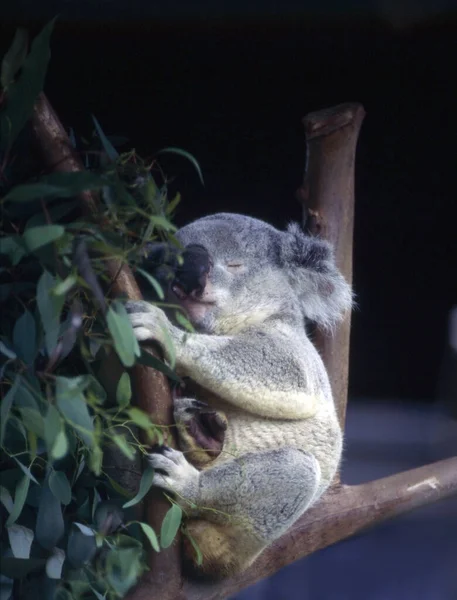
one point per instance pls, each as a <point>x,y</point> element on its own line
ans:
<point>202,430</point>
<point>173,473</point>
<point>149,322</point>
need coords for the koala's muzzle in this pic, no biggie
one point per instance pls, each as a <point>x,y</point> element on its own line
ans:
<point>192,275</point>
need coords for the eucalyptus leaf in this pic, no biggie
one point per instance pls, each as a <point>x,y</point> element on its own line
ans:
<point>49,527</point>
<point>7,351</point>
<point>17,568</point>
<point>13,247</point>
<point>21,539</point>
<point>121,330</point>
<point>73,407</point>
<point>14,58</point>
<point>123,568</point>
<point>5,408</point>
<point>151,535</point>
<point>192,159</point>
<point>25,470</point>
<point>140,418</point>
<point>20,495</point>
<point>123,390</point>
<point>55,213</point>
<point>36,237</point>
<point>57,185</point>
<point>110,150</point>
<point>6,499</point>
<point>24,337</point>
<point>50,308</point>
<point>54,564</point>
<point>60,486</point>
<point>22,94</point>
<point>155,284</point>
<point>124,446</point>
<point>145,485</point>
<point>149,360</point>
<point>170,526</point>
<point>80,548</point>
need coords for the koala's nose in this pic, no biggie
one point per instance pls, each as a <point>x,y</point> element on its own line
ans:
<point>192,275</point>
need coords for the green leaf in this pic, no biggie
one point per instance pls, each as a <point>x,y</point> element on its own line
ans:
<point>49,524</point>
<point>5,408</point>
<point>23,93</point>
<point>73,407</point>
<point>150,534</point>
<point>57,185</point>
<point>50,308</point>
<point>110,150</point>
<point>198,552</point>
<point>54,564</point>
<point>54,212</point>
<point>123,391</point>
<point>20,495</point>
<point>7,351</point>
<point>63,287</point>
<point>14,58</point>
<point>5,499</point>
<point>26,471</point>
<point>60,447</point>
<point>140,418</point>
<point>21,539</point>
<point>155,284</point>
<point>170,526</point>
<point>80,548</point>
<point>24,337</point>
<point>121,330</point>
<point>13,247</point>
<point>36,237</point>
<point>172,150</point>
<point>145,486</point>
<point>173,204</point>
<point>124,446</point>
<point>149,360</point>
<point>96,460</point>
<point>162,222</point>
<point>17,568</point>
<point>123,568</point>
<point>60,486</point>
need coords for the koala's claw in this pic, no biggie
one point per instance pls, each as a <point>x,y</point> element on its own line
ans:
<point>173,473</point>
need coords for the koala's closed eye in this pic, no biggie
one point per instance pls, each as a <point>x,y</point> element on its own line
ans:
<point>234,266</point>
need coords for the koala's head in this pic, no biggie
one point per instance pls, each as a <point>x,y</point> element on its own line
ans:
<point>239,271</point>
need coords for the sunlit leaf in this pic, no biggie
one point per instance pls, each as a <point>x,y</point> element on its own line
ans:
<point>170,526</point>
<point>124,446</point>
<point>140,418</point>
<point>21,539</point>
<point>145,486</point>
<point>73,407</point>
<point>54,564</point>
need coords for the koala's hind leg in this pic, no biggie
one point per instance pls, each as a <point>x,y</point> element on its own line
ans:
<point>252,500</point>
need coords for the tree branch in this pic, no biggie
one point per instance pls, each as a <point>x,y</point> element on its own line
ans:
<point>150,387</point>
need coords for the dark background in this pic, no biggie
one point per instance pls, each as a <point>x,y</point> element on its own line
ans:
<point>231,86</point>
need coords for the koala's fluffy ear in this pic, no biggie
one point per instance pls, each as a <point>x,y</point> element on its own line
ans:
<point>324,294</point>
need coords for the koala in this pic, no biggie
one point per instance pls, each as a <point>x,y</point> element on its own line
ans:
<point>273,441</point>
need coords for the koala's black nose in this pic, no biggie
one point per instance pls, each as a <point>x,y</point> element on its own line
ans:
<point>191,276</point>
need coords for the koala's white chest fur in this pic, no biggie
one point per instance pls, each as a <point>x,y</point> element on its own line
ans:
<point>319,435</point>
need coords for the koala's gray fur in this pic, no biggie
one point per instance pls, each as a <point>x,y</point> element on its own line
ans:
<point>256,363</point>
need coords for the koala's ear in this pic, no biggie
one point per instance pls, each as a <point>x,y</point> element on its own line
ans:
<point>324,294</point>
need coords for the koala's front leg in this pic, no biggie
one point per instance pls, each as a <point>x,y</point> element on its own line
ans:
<point>258,371</point>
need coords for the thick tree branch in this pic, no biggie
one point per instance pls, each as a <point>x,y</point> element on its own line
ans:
<point>151,390</point>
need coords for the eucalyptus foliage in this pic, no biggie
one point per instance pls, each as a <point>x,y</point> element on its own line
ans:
<point>68,529</point>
